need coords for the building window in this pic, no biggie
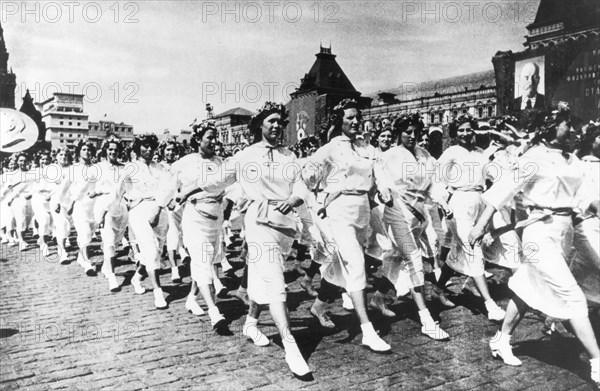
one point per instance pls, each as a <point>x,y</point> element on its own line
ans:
<point>480,112</point>
<point>455,113</point>
<point>70,135</point>
<point>431,118</point>
<point>62,135</point>
<point>61,122</point>
<point>441,117</point>
<point>70,123</point>
<point>78,123</point>
<point>490,111</point>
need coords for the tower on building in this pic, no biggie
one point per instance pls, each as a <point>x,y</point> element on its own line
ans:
<point>8,80</point>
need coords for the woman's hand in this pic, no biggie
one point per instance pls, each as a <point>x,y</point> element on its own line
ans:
<point>285,207</point>
<point>476,235</point>
<point>385,196</point>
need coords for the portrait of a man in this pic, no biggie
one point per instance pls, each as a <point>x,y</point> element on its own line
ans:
<point>529,84</point>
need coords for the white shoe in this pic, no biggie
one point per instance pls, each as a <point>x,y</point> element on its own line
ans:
<point>45,250</point>
<point>252,332</point>
<point>225,265</point>
<point>87,266</point>
<point>216,319</point>
<point>5,240</point>
<point>297,364</point>
<point>136,282</point>
<point>375,343</point>
<point>159,299</point>
<point>12,242</point>
<point>432,329</point>
<point>64,258</point>
<point>500,346</point>
<point>113,284</point>
<point>192,306</point>
<point>494,312</point>
<point>347,302</point>
<point>23,246</point>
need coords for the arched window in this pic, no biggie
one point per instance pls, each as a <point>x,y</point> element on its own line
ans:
<point>490,111</point>
<point>431,118</point>
<point>480,112</point>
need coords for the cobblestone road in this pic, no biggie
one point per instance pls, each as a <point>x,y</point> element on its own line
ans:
<point>63,330</point>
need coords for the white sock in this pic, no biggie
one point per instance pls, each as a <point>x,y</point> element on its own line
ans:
<point>367,329</point>
<point>218,284</point>
<point>490,303</point>
<point>424,315</point>
<point>250,320</point>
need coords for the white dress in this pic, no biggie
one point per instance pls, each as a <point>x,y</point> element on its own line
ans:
<point>411,180</point>
<point>266,175</point>
<point>202,215</point>
<point>344,170</point>
<point>544,280</point>
<point>585,263</point>
<point>147,188</point>
<point>463,171</point>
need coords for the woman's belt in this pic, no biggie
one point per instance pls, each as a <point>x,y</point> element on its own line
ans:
<point>330,197</point>
<point>551,211</point>
<point>133,203</point>
<point>207,200</point>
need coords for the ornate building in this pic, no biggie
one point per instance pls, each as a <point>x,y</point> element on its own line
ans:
<point>8,80</point>
<point>563,46</point>
<point>323,87</point>
<point>232,126</point>
<point>438,101</point>
<point>101,130</point>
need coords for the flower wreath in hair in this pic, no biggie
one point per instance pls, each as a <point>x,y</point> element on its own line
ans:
<point>257,120</point>
<point>112,140</point>
<point>461,120</point>
<point>402,123</point>
<point>199,130</point>
<point>145,139</point>
<point>85,142</point>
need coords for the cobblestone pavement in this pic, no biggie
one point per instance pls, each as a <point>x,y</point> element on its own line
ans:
<point>63,330</point>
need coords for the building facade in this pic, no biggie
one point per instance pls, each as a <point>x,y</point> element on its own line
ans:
<point>232,128</point>
<point>438,101</point>
<point>8,80</point>
<point>65,120</point>
<point>101,130</point>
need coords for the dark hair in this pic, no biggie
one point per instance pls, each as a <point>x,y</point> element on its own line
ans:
<point>255,126</point>
<point>144,139</point>
<point>401,124</point>
<point>111,140</point>
<point>198,133</point>
<point>336,117</point>
<point>91,146</point>
<point>587,140</point>
<point>68,154</point>
<point>459,121</point>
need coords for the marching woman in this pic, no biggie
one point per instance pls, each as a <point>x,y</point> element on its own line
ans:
<point>7,218</point>
<point>147,191</point>
<point>19,184</point>
<point>585,264</point>
<point>60,206</point>
<point>110,211</point>
<point>384,140</point>
<point>344,169</point>
<point>269,176</point>
<point>463,169</point>
<point>202,218</point>
<point>170,152</point>
<point>544,282</point>
<point>40,200</point>
<point>77,188</point>
<point>408,171</point>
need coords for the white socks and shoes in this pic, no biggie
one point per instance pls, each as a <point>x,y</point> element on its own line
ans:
<point>216,319</point>
<point>159,299</point>
<point>595,371</point>
<point>192,306</point>
<point>494,312</point>
<point>295,361</point>
<point>371,340</point>
<point>113,284</point>
<point>252,332</point>
<point>500,346</point>
<point>347,302</point>
<point>430,327</point>
<point>136,283</point>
